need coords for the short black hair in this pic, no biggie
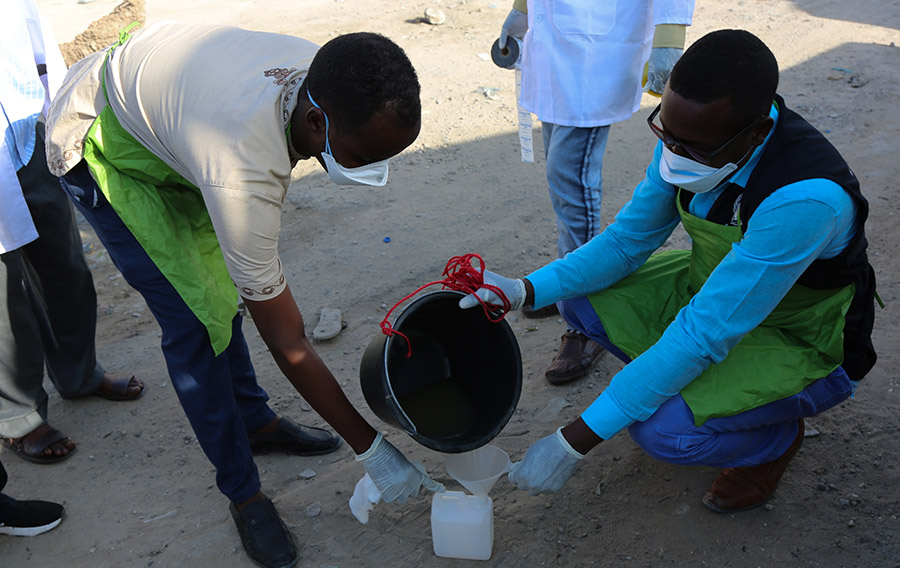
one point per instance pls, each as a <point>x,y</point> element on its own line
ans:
<point>733,64</point>
<point>357,75</point>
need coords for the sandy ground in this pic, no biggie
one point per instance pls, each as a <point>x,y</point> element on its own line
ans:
<point>140,492</point>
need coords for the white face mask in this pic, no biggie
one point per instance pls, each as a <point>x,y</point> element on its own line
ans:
<point>693,176</point>
<point>375,173</point>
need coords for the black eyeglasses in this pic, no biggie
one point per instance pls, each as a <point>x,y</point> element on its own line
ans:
<point>698,155</point>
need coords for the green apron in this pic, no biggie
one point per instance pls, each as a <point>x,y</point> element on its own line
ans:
<point>167,216</point>
<point>799,342</point>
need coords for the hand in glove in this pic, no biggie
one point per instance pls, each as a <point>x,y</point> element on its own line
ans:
<point>392,473</point>
<point>668,45</point>
<point>662,59</point>
<point>547,465</point>
<point>515,25</point>
<point>514,290</point>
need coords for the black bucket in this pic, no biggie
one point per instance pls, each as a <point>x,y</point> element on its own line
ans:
<point>460,386</point>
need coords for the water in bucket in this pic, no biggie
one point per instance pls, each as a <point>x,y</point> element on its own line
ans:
<point>442,409</point>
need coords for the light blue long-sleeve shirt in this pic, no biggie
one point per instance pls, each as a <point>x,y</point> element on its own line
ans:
<point>794,226</point>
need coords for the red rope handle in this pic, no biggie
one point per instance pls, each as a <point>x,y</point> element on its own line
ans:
<point>459,275</point>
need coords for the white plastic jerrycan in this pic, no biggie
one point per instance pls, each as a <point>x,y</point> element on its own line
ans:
<point>462,526</point>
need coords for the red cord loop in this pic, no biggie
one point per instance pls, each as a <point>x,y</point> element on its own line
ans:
<point>459,275</point>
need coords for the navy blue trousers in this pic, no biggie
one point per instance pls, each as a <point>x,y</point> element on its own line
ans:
<point>220,395</point>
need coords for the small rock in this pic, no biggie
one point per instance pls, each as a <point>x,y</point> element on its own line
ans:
<point>843,502</point>
<point>851,523</point>
<point>489,92</point>
<point>314,510</point>
<point>769,506</point>
<point>434,17</point>
<point>307,474</point>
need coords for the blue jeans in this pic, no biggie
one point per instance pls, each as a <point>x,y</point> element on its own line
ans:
<point>220,395</point>
<point>574,175</point>
<point>749,438</point>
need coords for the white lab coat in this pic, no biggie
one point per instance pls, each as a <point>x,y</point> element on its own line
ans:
<point>26,40</point>
<point>582,60</point>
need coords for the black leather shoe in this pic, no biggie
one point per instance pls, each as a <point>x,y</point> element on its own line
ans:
<point>294,439</point>
<point>266,539</point>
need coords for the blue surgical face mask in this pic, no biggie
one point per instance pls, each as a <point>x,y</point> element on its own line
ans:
<point>375,173</point>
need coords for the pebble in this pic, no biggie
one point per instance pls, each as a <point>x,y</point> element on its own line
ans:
<point>434,17</point>
<point>769,506</point>
<point>307,474</point>
<point>314,510</point>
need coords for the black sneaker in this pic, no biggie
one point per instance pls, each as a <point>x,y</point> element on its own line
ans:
<point>266,539</point>
<point>31,518</point>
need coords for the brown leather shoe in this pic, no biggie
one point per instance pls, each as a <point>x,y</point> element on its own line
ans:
<point>577,355</point>
<point>540,313</point>
<point>742,488</point>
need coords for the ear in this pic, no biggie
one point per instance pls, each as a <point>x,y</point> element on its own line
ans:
<point>762,130</point>
<point>315,120</point>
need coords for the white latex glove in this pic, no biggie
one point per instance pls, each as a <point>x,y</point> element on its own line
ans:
<point>662,59</point>
<point>514,290</point>
<point>547,465</point>
<point>515,25</point>
<point>392,473</point>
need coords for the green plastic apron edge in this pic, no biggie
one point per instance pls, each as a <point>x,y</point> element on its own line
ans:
<point>799,342</point>
<point>167,216</point>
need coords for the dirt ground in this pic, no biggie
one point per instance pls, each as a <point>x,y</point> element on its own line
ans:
<point>139,491</point>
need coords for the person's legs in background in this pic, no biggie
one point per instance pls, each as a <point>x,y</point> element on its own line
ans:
<point>574,177</point>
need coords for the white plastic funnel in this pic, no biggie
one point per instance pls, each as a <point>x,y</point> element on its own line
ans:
<point>479,469</point>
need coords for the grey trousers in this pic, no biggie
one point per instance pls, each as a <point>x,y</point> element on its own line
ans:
<point>48,307</point>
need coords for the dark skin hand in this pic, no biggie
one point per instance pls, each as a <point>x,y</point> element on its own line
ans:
<point>702,126</point>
